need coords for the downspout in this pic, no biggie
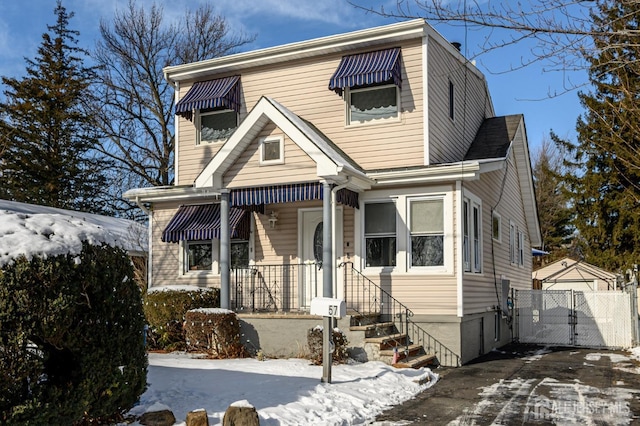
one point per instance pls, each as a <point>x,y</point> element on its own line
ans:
<point>149,213</point>
<point>334,191</point>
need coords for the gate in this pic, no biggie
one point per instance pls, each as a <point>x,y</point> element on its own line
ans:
<point>576,318</point>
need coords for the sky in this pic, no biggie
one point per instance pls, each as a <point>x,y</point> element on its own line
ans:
<point>289,392</point>
<point>276,22</point>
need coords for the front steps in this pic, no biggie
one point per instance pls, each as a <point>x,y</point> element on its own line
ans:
<point>382,342</point>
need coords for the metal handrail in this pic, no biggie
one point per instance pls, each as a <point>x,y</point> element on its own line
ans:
<point>368,298</point>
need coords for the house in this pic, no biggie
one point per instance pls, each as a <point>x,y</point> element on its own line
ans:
<point>570,274</point>
<point>367,166</point>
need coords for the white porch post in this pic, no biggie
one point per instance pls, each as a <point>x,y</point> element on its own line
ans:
<point>327,280</point>
<point>225,251</point>
<point>327,242</point>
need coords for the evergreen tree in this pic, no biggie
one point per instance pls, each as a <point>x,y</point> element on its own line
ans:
<point>607,194</point>
<point>49,155</point>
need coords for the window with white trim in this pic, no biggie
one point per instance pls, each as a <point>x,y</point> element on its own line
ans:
<point>496,226</point>
<point>215,125</point>
<point>380,234</point>
<point>199,255</point>
<point>272,150</point>
<point>426,229</point>
<point>372,103</point>
<point>472,234</point>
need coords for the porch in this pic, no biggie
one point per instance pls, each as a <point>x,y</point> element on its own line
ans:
<point>377,324</point>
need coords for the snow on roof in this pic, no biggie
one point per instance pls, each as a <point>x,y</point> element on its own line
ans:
<point>32,230</point>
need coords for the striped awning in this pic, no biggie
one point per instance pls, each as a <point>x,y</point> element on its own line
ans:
<point>290,193</point>
<point>367,68</point>
<point>202,222</point>
<point>223,92</point>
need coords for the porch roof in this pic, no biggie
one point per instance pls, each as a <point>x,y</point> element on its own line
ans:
<point>275,194</point>
<point>202,222</point>
<point>361,69</point>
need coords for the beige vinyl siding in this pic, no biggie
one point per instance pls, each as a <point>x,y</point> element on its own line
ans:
<point>449,139</point>
<point>480,289</point>
<point>166,256</point>
<point>247,170</point>
<point>302,87</point>
<point>423,294</point>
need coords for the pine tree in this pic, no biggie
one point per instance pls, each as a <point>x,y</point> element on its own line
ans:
<point>49,154</point>
<point>607,194</point>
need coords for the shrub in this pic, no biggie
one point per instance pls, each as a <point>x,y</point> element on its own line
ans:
<point>71,341</point>
<point>215,332</point>
<point>165,311</point>
<point>315,342</point>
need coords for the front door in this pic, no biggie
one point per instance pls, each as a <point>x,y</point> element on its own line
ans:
<point>311,276</point>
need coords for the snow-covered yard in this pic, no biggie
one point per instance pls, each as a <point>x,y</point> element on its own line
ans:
<point>290,392</point>
<point>284,391</point>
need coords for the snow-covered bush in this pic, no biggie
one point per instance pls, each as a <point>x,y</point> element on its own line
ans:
<point>165,309</point>
<point>315,343</point>
<point>71,337</point>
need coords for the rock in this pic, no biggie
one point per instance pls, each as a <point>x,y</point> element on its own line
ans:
<point>158,418</point>
<point>241,415</point>
<point>197,418</point>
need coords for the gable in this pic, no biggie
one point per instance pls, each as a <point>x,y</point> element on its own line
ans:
<point>246,170</point>
<point>330,162</point>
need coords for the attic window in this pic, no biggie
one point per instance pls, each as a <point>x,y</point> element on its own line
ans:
<point>272,150</point>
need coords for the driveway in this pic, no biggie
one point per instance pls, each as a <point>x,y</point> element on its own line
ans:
<point>530,385</point>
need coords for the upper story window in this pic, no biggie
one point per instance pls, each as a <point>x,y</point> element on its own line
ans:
<point>272,150</point>
<point>372,103</point>
<point>216,125</point>
<point>452,98</point>
<point>215,104</point>
<point>380,234</point>
<point>372,82</point>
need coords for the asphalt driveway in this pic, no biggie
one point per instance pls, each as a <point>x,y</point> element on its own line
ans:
<point>530,385</point>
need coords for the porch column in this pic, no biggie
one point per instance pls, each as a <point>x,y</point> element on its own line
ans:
<point>225,252</point>
<point>327,242</point>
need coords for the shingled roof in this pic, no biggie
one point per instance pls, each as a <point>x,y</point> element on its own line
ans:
<point>494,137</point>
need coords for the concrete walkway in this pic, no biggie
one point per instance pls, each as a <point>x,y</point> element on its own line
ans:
<point>530,385</point>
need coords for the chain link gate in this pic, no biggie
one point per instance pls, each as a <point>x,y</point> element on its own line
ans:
<point>575,318</point>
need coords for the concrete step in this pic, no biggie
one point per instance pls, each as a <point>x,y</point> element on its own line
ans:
<point>375,330</point>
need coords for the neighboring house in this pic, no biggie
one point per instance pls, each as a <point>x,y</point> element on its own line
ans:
<point>326,167</point>
<point>570,274</point>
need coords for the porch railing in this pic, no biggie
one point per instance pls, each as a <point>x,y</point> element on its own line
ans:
<point>275,288</point>
<point>368,299</point>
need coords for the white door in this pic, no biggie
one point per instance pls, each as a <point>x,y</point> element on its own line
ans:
<point>311,276</point>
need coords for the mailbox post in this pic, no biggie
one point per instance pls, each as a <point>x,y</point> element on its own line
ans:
<point>328,308</point>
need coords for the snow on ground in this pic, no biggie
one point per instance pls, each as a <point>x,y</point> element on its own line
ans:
<point>283,391</point>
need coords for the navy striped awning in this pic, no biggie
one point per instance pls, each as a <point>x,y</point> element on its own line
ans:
<point>367,68</point>
<point>202,222</point>
<point>223,92</point>
<point>290,193</point>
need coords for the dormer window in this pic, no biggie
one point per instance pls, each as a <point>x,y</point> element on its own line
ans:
<point>272,150</point>
<point>371,83</point>
<point>216,125</point>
